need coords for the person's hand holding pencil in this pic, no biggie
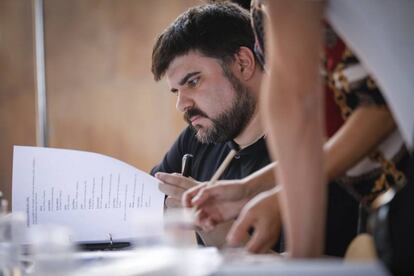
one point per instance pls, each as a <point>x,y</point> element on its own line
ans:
<point>190,196</point>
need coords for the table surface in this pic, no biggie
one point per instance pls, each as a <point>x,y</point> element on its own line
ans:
<point>210,261</point>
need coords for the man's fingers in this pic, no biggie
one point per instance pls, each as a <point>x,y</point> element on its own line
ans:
<point>171,190</point>
<point>171,202</point>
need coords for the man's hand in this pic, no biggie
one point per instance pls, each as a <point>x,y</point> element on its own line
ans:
<point>262,215</point>
<point>174,185</point>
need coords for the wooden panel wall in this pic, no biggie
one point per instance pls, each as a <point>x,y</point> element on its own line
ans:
<point>17,84</point>
<point>101,93</point>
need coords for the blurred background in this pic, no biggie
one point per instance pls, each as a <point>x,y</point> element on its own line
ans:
<point>100,93</point>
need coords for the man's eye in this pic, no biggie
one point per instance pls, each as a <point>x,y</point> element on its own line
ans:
<point>193,82</point>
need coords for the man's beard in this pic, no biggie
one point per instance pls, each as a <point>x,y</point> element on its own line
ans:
<point>231,122</point>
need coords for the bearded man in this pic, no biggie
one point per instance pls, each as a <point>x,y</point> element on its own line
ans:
<point>207,57</point>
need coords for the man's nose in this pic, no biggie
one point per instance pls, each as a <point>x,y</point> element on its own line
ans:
<point>183,102</point>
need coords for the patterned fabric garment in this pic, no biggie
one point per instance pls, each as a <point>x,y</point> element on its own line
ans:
<point>348,86</point>
<point>351,86</point>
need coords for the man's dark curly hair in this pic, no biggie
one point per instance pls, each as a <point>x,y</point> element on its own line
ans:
<point>215,30</point>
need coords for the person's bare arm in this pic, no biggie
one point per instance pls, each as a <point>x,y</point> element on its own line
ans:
<point>292,111</point>
<point>359,136</point>
<point>364,130</point>
<point>261,180</point>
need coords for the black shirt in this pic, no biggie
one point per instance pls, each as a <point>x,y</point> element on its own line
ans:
<point>208,157</point>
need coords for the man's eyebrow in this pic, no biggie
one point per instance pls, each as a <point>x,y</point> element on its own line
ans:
<point>189,75</point>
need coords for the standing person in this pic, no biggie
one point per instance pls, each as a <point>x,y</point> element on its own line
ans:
<point>293,115</point>
<point>368,131</point>
<point>301,161</point>
<point>291,23</point>
<point>383,39</point>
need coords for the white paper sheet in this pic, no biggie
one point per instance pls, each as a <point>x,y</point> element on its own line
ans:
<point>92,194</point>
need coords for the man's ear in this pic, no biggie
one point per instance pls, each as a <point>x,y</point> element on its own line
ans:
<point>245,63</point>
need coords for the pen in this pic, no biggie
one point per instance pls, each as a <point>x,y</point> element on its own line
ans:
<point>186,164</point>
<point>234,150</point>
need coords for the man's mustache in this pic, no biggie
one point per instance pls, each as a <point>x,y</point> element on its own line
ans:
<point>189,113</point>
